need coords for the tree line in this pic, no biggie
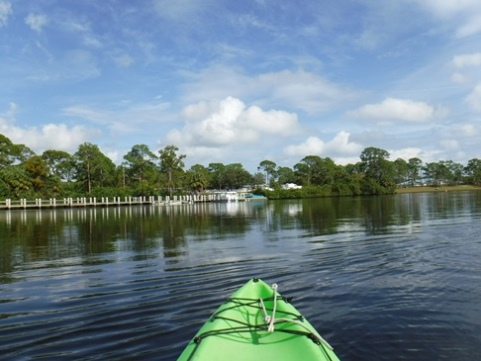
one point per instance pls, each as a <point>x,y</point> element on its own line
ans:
<point>89,172</point>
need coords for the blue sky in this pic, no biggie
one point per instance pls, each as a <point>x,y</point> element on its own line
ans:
<point>244,81</point>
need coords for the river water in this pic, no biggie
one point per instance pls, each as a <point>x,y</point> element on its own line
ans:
<point>381,278</point>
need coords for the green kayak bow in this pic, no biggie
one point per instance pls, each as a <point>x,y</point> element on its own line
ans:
<point>257,323</point>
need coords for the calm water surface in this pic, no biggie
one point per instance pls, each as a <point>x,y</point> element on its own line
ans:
<point>385,278</point>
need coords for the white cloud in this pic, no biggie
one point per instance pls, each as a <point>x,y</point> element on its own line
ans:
<point>125,118</point>
<point>469,130</point>
<point>179,9</point>
<point>395,109</point>
<point>311,146</point>
<point>299,89</point>
<point>124,61</point>
<point>448,8</point>
<point>464,60</point>
<point>459,78</point>
<point>370,39</point>
<point>467,68</point>
<point>80,28</point>
<point>12,109</point>
<point>474,98</point>
<point>425,155</point>
<point>78,65</point>
<point>74,65</point>
<point>5,12</point>
<point>471,27</point>
<point>465,14</point>
<point>338,146</point>
<point>74,25</point>
<point>450,144</point>
<point>36,22</point>
<point>48,136</point>
<point>269,122</point>
<point>229,121</point>
<point>198,110</point>
<point>52,136</point>
<point>304,90</point>
<point>91,40</point>
<point>86,113</point>
<point>405,153</point>
<point>114,155</point>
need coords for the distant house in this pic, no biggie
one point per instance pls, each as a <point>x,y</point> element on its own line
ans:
<point>291,186</point>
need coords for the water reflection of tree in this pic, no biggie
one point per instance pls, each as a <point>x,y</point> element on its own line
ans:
<point>173,237</point>
<point>320,216</point>
<point>201,222</point>
<point>316,216</point>
<point>385,214</point>
<point>377,212</point>
<point>85,234</point>
<point>31,236</point>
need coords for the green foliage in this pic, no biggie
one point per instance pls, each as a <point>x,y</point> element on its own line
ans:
<point>307,169</point>
<point>60,163</point>
<point>143,189</point>
<point>140,165</point>
<point>71,190</point>
<point>269,168</point>
<point>236,176</point>
<point>172,165</point>
<point>93,168</point>
<point>11,154</point>
<point>414,169</point>
<point>15,182</point>
<point>230,176</point>
<point>370,187</point>
<point>4,189</point>
<point>91,173</point>
<point>346,189</point>
<point>218,176</point>
<point>401,171</point>
<point>37,169</point>
<point>436,173</point>
<point>258,179</point>
<point>379,172</point>
<point>197,178</point>
<point>6,151</point>
<point>285,175</point>
<point>455,175</point>
<point>473,172</point>
<point>109,192</point>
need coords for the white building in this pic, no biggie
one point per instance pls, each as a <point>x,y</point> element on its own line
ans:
<point>291,186</point>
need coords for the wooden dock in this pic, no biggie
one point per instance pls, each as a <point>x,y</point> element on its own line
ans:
<point>114,201</point>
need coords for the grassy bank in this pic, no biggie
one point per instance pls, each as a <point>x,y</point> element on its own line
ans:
<point>436,189</point>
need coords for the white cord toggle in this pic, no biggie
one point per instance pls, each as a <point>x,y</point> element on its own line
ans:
<point>271,319</point>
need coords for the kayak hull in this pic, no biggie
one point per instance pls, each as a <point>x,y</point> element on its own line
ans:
<point>257,323</point>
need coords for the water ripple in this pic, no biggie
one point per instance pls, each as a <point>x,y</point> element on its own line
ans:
<point>409,292</point>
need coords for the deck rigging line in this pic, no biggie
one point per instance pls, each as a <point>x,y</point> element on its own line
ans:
<point>270,320</point>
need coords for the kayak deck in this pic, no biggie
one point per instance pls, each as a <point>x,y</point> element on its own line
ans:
<point>257,323</point>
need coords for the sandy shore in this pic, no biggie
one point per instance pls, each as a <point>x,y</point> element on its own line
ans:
<point>437,189</point>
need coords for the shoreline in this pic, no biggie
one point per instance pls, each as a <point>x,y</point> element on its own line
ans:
<point>430,189</point>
